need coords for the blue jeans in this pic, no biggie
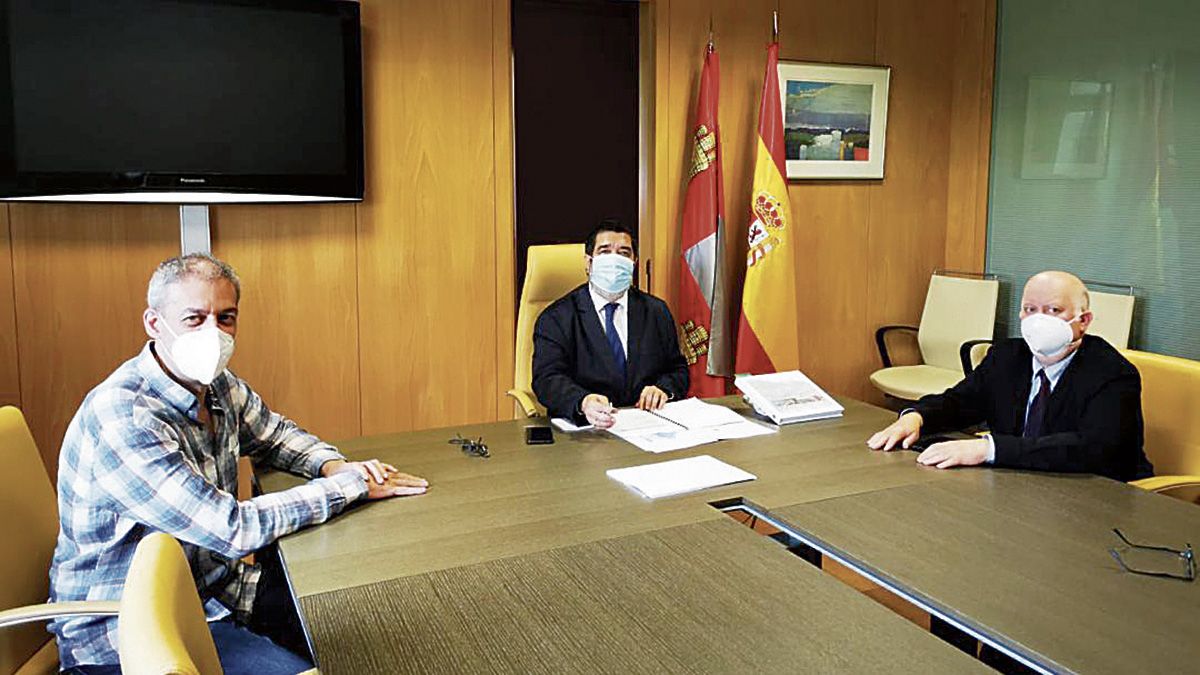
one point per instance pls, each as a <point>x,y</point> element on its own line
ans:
<point>241,652</point>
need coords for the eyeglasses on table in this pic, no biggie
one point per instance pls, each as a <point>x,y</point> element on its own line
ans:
<point>1186,555</point>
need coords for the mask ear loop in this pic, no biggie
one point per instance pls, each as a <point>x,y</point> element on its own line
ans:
<point>166,324</point>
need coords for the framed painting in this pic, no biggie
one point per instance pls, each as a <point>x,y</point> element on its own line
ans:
<point>834,119</point>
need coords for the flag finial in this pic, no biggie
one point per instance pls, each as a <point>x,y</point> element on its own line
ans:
<point>711,47</point>
<point>775,25</point>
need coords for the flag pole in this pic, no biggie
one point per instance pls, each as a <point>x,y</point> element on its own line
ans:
<point>775,25</point>
<point>711,46</point>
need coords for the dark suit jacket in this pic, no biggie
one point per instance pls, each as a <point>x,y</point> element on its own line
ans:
<point>1093,421</point>
<point>571,356</point>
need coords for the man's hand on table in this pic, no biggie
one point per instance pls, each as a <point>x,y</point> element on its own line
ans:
<point>899,434</point>
<point>383,480</point>
<point>956,453</point>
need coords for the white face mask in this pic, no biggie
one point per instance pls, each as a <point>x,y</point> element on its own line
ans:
<point>1047,336</point>
<point>201,355</point>
<point>611,273</point>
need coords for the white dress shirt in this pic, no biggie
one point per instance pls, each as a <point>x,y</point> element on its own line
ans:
<point>620,317</point>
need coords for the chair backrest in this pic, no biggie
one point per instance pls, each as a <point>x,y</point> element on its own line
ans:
<point>551,271</point>
<point>1170,399</point>
<point>1113,317</point>
<point>28,529</point>
<point>956,310</point>
<point>161,628</point>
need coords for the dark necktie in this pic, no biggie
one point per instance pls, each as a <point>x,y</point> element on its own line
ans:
<point>1037,411</point>
<point>614,340</point>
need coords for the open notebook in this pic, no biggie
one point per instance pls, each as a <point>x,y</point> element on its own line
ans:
<point>683,424</point>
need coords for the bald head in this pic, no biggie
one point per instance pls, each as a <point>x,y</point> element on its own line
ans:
<point>1058,288</point>
<point>1061,295</point>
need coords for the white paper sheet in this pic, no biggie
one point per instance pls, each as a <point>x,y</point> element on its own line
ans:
<point>696,414</point>
<point>632,419</point>
<point>564,424</point>
<point>683,424</point>
<point>679,476</point>
<point>667,439</point>
<point>742,429</point>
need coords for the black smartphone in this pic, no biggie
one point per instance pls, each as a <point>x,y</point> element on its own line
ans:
<point>538,435</point>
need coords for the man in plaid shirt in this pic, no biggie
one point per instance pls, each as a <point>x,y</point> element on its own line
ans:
<point>154,448</point>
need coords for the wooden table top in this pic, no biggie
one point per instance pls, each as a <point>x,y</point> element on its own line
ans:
<point>706,597</point>
<point>1024,557</point>
<point>526,499</point>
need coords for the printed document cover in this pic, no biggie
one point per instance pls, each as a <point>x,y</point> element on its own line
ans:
<point>788,397</point>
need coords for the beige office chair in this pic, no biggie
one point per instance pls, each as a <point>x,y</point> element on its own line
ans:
<point>28,530</point>
<point>550,273</point>
<point>1170,399</point>
<point>1112,317</point>
<point>957,310</point>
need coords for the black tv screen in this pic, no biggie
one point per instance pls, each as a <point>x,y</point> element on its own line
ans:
<point>190,101</point>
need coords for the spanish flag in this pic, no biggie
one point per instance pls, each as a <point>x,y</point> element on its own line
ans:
<point>767,333</point>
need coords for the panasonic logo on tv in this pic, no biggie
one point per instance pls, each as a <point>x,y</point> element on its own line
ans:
<point>192,180</point>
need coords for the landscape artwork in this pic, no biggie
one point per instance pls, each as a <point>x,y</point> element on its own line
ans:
<point>827,120</point>
<point>834,120</point>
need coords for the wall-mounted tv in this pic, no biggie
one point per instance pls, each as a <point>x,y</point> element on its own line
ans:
<point>181,101</point>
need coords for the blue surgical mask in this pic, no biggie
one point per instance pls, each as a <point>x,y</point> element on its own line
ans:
<point>612,274</point>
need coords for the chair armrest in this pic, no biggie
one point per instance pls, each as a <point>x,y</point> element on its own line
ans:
<point>54,610</point>
<point>964,354</point>
<point>879,342</point>
<point>525,400</point>
<point>1164,483</point>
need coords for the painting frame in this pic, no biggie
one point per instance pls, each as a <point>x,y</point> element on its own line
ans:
<point>827,142</point>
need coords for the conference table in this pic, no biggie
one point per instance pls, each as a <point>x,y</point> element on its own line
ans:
<point>534,560</point>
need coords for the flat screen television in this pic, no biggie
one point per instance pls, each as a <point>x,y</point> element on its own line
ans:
<point>181,101</point>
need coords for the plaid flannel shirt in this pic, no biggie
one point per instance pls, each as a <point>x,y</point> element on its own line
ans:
<point>136,459</point>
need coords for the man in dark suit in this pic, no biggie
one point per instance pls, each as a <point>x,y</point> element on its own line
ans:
<point>606,345</point>
<point>1055,400</point>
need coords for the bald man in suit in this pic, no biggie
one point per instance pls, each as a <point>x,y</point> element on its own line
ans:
<point>1055,399</point>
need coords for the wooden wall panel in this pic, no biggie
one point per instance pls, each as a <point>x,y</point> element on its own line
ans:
<point>974,37</point>
<point>865,249</point>
<point>908,213</point>
<point>427,237</point>
<point>80,274</point>
<point>298,327</point>
<point>505,226</point>
<point>10,378</point>
<point>397,313</point>
<point>831,216</point>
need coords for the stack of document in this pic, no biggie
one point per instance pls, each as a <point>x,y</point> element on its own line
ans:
<point>679,476</point>
<point>683,424</point>
<point>788,397</point>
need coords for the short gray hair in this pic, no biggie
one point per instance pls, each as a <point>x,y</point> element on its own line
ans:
<point>192,265</point>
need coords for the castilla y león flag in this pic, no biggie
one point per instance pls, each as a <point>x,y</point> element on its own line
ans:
<point>702,312</point>
<point>767,334</point>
